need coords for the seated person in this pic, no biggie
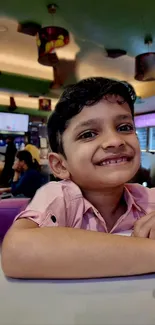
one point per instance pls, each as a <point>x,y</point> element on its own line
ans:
<point>7,171</point>
<point>27,178</point>
<point>34,151</point>
<point>67,231</point>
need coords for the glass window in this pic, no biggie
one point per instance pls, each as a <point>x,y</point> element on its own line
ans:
<point>152,139</point>
<point>142,136</point>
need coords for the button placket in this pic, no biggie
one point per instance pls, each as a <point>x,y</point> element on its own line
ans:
<point>100,219</point>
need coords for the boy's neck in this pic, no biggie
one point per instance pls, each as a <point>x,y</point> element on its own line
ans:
<point>110,203</point>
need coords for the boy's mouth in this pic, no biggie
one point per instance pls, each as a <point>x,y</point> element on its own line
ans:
<point>115,160</point>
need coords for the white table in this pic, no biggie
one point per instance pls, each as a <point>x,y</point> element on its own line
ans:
<point>118,301</point>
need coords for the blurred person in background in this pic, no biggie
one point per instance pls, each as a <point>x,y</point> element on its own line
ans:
<point>7,171</point>
<point>32,149</point>
<point>27,177</point>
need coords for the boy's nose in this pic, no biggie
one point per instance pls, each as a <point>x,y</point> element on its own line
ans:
<point>112,140</point>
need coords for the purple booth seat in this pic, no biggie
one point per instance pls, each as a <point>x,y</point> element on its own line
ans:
<point>9,208</point>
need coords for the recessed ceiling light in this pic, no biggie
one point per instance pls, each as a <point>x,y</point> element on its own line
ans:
<point>3,29</point>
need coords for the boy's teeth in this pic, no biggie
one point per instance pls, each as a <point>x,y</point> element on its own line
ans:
<point>113,161</point>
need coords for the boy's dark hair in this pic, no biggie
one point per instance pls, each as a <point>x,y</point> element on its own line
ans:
<point>87,92</point>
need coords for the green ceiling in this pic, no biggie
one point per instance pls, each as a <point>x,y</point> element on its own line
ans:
<point>114,24</point>
<point>24,110</point>
<point>32,86</point>
<point>28,85</point>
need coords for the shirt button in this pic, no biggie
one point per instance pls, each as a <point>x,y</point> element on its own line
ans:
<point>53,218</point>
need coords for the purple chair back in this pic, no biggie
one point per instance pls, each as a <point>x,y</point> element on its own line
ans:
<point>9,208</point>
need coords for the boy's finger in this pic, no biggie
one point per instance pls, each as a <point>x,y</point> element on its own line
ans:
<point>142,229</point>
<point>139,223</point>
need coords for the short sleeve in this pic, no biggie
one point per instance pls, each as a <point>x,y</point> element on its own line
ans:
<point>48,207</point>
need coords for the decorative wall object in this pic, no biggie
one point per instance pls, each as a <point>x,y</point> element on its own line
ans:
<point>44,104</point>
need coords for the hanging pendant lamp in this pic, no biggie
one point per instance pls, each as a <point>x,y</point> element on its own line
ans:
<point>49,39</point>
<point>145,63</point>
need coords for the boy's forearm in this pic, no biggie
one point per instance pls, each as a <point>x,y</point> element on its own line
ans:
<point>74,253</point>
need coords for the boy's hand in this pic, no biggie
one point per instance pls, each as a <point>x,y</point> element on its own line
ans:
<point>145,227</point>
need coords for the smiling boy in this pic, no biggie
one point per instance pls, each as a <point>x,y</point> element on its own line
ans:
<point>95,151</point>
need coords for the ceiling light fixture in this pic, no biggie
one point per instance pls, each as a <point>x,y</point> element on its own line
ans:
<point>49,39</point>
<point>145,63</point>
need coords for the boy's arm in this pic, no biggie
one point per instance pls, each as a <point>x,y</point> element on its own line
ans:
<point>32,252</point>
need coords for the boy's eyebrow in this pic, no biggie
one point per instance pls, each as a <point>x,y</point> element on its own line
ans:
<point>87,123</point>
<point>124,117</point>
<point>97,121</point>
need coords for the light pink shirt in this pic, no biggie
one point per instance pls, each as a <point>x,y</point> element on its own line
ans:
<point>62,204</point>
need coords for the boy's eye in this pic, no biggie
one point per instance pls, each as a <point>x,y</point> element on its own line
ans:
<point>126,128</point>
<point>87,135</point>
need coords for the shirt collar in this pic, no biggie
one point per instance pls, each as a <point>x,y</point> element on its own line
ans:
<point>129,199</point>
<point>89,207</point>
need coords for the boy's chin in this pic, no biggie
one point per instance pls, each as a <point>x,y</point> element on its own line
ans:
<point>116,181</point>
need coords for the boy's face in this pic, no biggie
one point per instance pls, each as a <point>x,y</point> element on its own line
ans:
<point>101,146</point>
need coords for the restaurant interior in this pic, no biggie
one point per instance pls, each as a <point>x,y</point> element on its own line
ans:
<point>44,47</point>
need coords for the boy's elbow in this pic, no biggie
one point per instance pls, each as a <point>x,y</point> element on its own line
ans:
<point>11,255</point>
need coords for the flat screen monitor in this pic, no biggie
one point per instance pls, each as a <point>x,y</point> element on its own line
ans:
<point>10,122</point>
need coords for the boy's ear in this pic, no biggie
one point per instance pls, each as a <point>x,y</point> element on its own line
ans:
<point>58,166</point>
